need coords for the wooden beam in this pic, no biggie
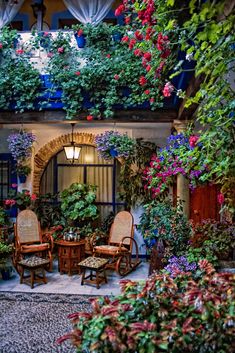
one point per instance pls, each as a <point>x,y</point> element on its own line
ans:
<point>52,117</point>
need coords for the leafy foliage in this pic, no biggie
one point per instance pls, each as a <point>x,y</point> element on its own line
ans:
<point>162,221</point>
<point>161,314</point>
<point>77,202</point>
<point>103,76</point>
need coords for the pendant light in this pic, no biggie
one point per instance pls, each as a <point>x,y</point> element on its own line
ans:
<point>72,151</point>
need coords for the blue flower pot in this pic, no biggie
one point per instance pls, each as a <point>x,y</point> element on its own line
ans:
<point>113,153</point>
<point>81,40</point>
<point>22,178</point>
<point>6,273</point>
<point>117,37</point>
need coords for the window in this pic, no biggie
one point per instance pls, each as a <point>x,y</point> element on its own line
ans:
<point>60,174</point>
<point>7,176</point>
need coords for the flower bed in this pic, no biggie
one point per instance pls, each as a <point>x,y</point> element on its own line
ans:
<point>181,315</point>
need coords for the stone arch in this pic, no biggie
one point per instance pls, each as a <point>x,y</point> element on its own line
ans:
<point>46,152</point>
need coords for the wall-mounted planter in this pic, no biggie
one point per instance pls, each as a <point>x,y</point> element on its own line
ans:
<point>81,40</point>
<point>22,178</point>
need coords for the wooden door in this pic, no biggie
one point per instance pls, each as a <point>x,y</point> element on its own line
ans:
<point>204,204</point>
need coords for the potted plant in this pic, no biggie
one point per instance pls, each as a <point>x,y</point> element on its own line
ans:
<point>164,225</point>
<point>112,144</point>
<point>5,265</point>
<point>20,145</point>
<point>22,199</point>
<point>77,204</point>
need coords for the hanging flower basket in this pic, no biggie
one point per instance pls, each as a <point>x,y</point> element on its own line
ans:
<point>113,144</point>
<point>20,145</point>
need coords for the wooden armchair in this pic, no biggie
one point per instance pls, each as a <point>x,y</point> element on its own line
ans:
<point>120,244</point>
<point>29,239</point>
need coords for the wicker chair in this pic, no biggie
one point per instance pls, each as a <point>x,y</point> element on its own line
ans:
<point>120,244</point>
<point>29,239</point>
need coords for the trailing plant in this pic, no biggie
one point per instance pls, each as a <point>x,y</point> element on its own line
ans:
<point>162,221</point>
<point>204,32</point>
<point>161,314</point>
<point>175,158</point>
<point>99,78</point>
<point>77,203</point>
<point>112,144</point>
<point>131,174</point>
<point>19,81</point>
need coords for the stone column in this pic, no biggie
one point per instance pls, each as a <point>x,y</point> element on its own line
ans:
<point>182,182</point>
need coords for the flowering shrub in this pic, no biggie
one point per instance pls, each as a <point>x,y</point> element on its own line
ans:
<point>161,314</point>
<point>112,144</point>
<point>174,159</point>
<point>179,265</point>
<point>20,145</point>
<point>162,221</point>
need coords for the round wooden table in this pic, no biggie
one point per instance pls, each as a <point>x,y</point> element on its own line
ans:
<point>70,253</point>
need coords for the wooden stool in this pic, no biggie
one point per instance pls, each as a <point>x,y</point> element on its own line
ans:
<point>97,265</point>
<point>32,264</point>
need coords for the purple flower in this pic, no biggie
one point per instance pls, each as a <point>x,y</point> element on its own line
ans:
<point>178,265</point>
<point>20,145</point>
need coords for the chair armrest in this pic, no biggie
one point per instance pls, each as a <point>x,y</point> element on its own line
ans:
<point>132,241</point>
<point>47,237</point>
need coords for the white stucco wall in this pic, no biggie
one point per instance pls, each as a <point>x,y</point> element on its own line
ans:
<point>45,132</point>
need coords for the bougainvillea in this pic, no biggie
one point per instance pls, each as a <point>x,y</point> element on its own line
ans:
<point>175,158</point>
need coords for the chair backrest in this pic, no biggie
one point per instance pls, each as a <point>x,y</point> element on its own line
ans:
<point>27,228</point>
<point>122,227</point>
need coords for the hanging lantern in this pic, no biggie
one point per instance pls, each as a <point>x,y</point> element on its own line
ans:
<point>72,151</point>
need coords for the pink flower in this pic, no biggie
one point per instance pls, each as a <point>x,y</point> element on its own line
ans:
<point>152,100</point>
<point>127,20</point>
<point>27,193</point>
<point>148,68</point>
<point>147,91</point>
<point>148,56</point>
<point>33,197</point>
<point>125,39</point>
<point>137,52</point>
<point>168,89</point>
<point>46,34</point>
<point>108,56</point>
<point>89,117</point>
<point>14,186</point>
<point>220,198</point>
<point>77,73</point>
<point>20,51</point>
<point>10,202</point>
<point>49,55</point>
<point>142,81</point>
<point>116,77</point>
<point>1,45</point>
<point>119,10</point>
<point>193,140</point>
<point>60,50</point>
<point>80,32</point>
<point>132,43</point>
<point>138,35</point>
